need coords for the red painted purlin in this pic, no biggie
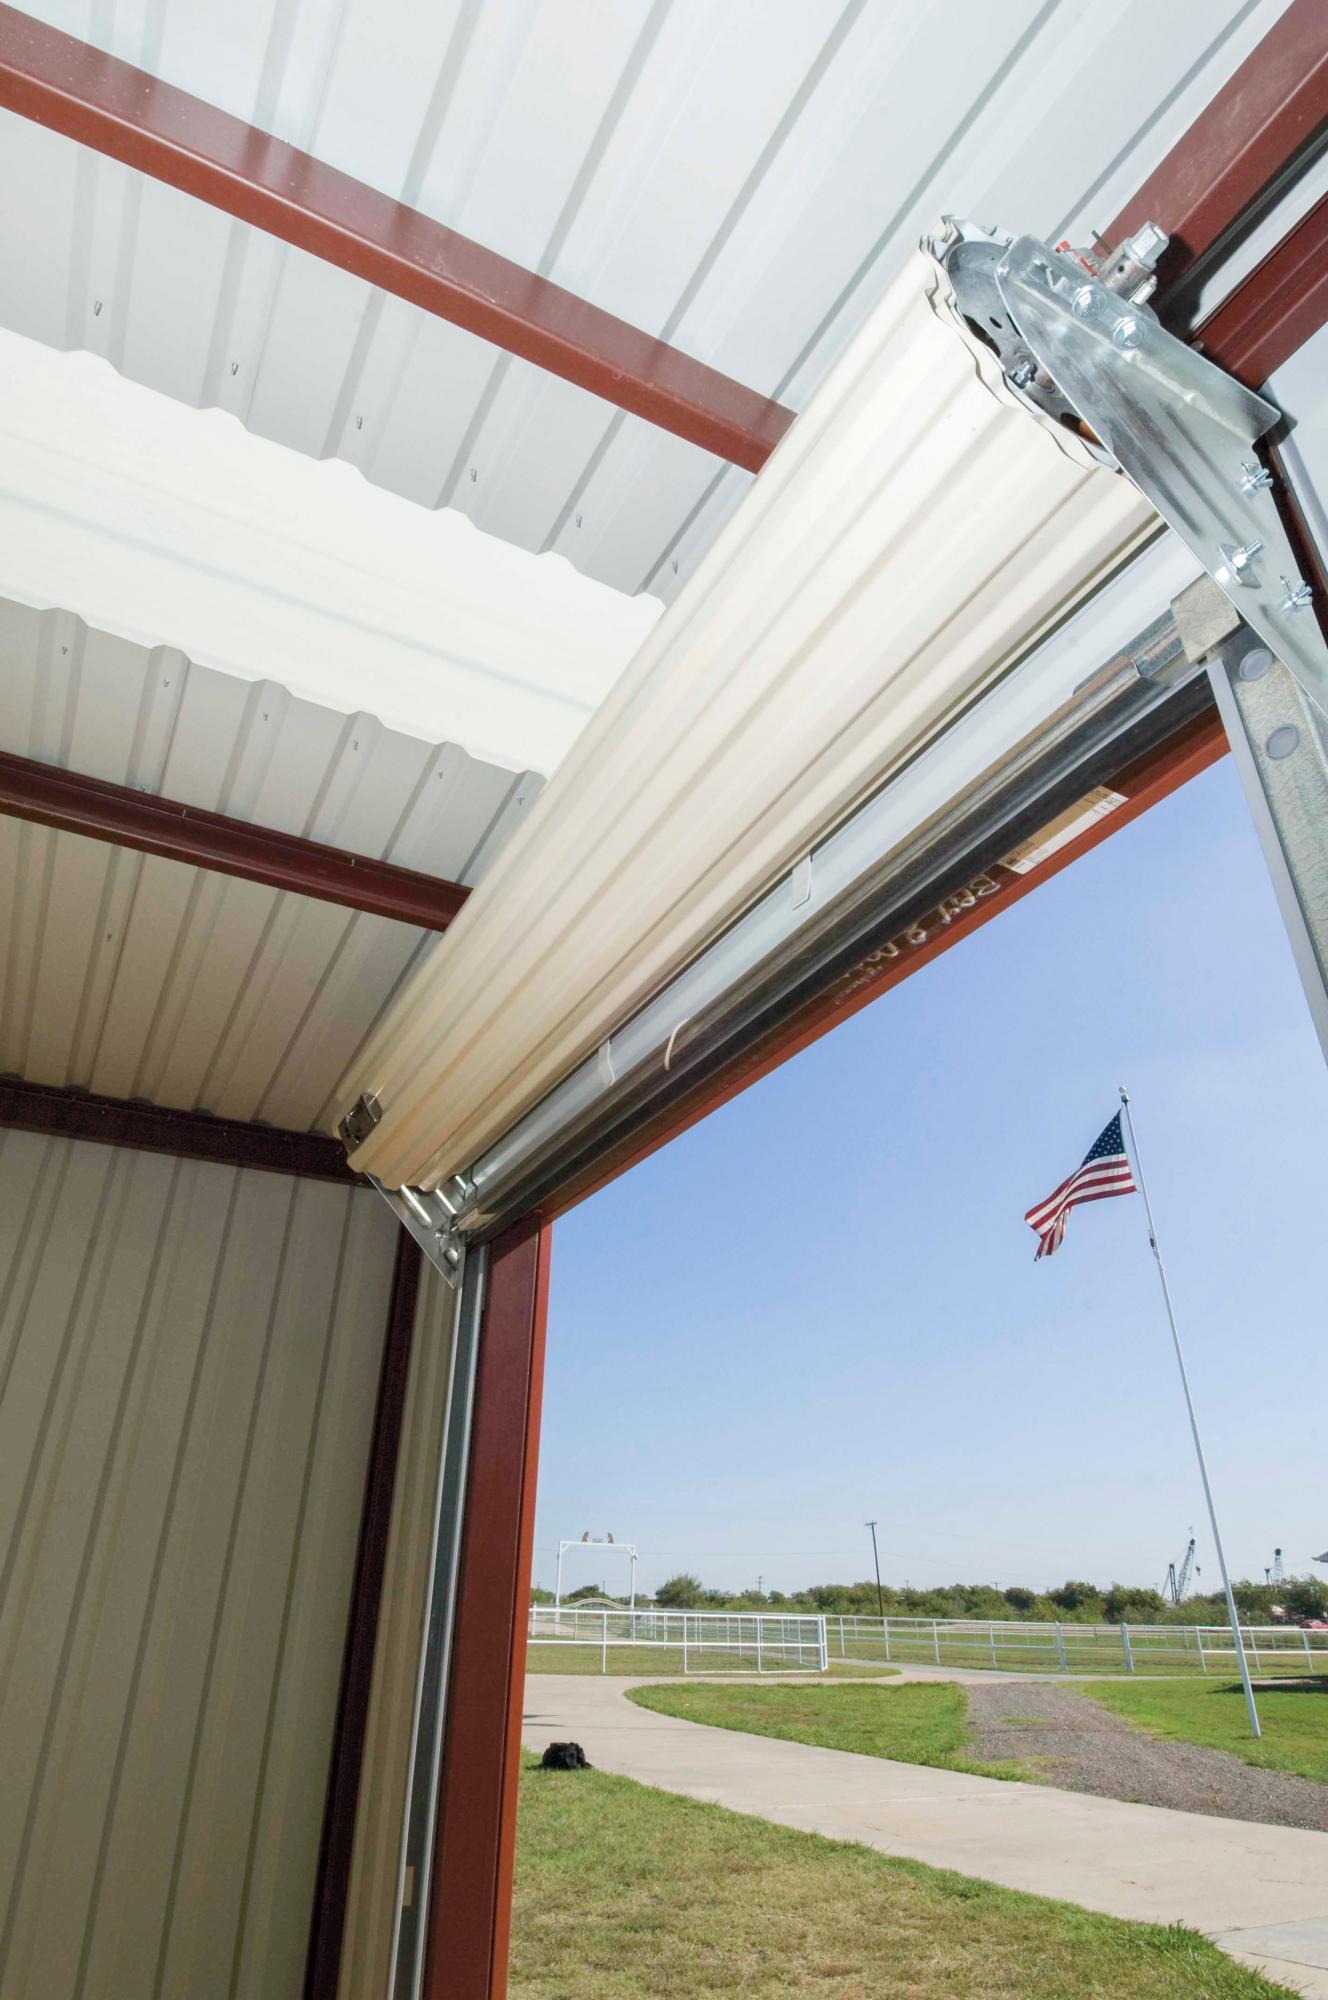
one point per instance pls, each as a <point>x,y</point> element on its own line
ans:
<point>1241,142</point>
<point>471,1894</point>
<point>72,803</point>
<point>134,117</point>
<point>153,1128</point>
<point>343,1789</point>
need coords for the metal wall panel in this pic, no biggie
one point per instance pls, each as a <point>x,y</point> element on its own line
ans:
<point>189,1358</point>
<point>138,977</point>
<point>371,1899</point>
<point>742,177</point>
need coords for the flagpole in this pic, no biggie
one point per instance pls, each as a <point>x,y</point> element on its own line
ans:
<point>1255,1730</point>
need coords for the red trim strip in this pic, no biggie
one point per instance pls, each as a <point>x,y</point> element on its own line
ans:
<point>1276,309</point>
<point>1274,105</point>
<point>188,1135</point>
<point>470,1904</point>
<point>343,1788</point>
<point>72,803</point>
<point>177,138</point>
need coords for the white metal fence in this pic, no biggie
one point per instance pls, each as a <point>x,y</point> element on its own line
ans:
<point>1022,1645</point>
<point>700,1642</point>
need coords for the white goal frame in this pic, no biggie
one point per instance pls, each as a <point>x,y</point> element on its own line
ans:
<point>578,1542</point>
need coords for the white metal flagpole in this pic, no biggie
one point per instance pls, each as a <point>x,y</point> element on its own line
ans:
<point>1194,1422</point>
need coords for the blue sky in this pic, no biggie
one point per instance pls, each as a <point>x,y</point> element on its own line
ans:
<point>821,1304</point>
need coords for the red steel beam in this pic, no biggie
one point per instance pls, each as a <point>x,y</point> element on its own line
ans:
<point>470,1901</point>
<point>1149,779</point>
<point>343,1791</point>
<point>189,1135</point>
<point>174,137</point>
<point>76,804</point>
<point>1277,308</point>
<point>1274,106</point>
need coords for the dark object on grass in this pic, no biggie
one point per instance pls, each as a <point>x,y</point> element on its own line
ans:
<point>566,1757</point>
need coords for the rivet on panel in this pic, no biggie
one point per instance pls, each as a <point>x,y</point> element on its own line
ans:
<point>96,308</point>
<point>1282,741</point>
<point>1255,664</point>
<point>359,423</point>
<point>474,474</point>
<point>235,368</point>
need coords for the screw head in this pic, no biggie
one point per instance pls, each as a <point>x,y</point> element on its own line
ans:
<point>1128,332</point>
<point>1084,304</point>
<point>1254,478</point>
<point>1283,741</point>
<point>1297,596</point>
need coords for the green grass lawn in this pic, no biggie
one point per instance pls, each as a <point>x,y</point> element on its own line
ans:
<point>917,1722</point>
<point>1294,1719</point>
<point>624,1893</point>
<point>629,1660</point>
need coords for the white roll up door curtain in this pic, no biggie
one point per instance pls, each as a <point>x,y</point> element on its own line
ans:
<point>914,533</point>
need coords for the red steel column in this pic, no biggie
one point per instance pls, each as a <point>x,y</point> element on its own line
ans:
<point>343,1788</point>
<point>470,1901</point>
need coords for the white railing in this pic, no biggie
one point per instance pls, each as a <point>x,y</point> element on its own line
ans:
<point>700,1642</point>
<point>1021,1645</point>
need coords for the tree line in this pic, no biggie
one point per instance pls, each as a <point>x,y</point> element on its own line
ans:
<point>1073,1602</point>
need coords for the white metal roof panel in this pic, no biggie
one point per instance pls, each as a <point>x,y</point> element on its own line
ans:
<point>138,977</point>
<point>166,524</point>
<point>742,177</point>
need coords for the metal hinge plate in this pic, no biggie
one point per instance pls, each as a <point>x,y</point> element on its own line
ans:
<point>1180,428</point>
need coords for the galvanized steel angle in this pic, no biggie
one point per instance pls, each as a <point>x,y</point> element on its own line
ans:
<point>1181,429</point>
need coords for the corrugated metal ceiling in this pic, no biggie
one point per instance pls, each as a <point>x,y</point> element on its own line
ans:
<point>742,177</point>
<point>143,978</point>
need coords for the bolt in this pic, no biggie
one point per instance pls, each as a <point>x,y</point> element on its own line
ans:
<point>1297,596</point>
<point>1084,304</point>
<point>1254,478</point>
<point>1023,372</point>
<point>1128,332</point>
<point>1146,245</point>
<point>1237,557</point>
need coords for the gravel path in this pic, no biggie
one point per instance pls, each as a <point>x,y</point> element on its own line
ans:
<point>1073,1742</point>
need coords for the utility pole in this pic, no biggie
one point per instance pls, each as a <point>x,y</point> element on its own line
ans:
<point>876,1560</point>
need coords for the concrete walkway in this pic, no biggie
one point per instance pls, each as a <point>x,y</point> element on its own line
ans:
<point>1261,1892</point>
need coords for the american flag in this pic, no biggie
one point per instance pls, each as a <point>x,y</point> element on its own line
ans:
<point>1105,1171</point>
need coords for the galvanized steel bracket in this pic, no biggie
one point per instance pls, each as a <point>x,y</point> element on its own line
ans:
<point>429,1214</point>
<point>431,1219</point>
<point>1181,429</point>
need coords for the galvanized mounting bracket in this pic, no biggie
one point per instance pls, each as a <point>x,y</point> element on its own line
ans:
<point>1180,428</point>
<point>430,1214</point>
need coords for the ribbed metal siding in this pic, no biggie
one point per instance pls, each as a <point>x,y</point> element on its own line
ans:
<point>143,978</point>
<point>372,1895</point>
<point>188,1367</point>
<point>742,177</point>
